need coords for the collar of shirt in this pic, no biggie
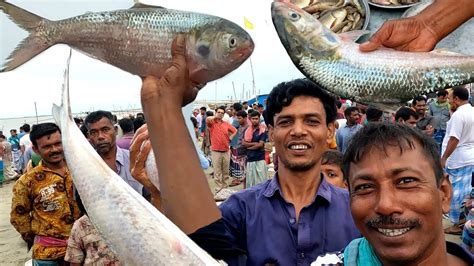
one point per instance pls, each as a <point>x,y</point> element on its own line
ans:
<point>464,106</point>
<point>274,186</point>
<point>44,168</point>
<point>120,157</point>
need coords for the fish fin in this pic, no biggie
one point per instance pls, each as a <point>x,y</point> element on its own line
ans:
<point>31,45</point>
<point>352,35</point>
<point>141,5</point>
<point>444,51</point>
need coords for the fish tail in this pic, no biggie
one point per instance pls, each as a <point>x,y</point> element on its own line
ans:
<point>58,111</point>
<point>31,45</point>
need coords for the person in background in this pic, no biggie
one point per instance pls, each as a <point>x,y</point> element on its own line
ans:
<point>406,115</point>
<point>126,124</point>
<point>426,123</point>
<point>25,143</point>
<point>6,155</point>
<point>373,114</point>
<point>254,141</point>
<point>235,169</point>
<point>344,134</point>
<point>331,167</point>
<point>439,109</point>
<point>14,141</point>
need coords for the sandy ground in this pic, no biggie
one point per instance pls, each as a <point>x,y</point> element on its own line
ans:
<point>13,248</point>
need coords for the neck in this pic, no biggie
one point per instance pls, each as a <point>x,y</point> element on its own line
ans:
<point>299,188</point>
<point>55,166</point>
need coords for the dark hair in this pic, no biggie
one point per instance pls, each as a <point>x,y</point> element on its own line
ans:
<point>98,115</point>
<point>203,108</point>
<point>138,122</point>
<point>209,113</point>
<point>238,106</point>
<point>418,99</point>
<point>26,128</point>
<point>2,136</point>
<point>84,131</point>
<point>461,93</point>
<point>381,136</point>
<point>222,107</point>
<point>260,105</point>
<point>40,130</point>
<point>373,114</point>
<point>140,115</point>
<point>254,113</point>
<point>194,121</point>
<point>405,113</point>
<point>14,130</point>
<point>338,104</point>
<point>126,124</point>
<point>441,92</point>
<point>283,94</point>
<point>349,111</point>
<point>245,102</point>
<point>77,120</point>
<point>332,157</point>
<point>241,113</point>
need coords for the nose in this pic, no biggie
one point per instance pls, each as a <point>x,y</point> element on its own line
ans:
<point>387,202</point>
<point>298,129</point>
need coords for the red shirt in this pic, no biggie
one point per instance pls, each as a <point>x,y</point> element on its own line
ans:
<point>220,132</point>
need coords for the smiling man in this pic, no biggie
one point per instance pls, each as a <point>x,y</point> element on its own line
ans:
<point>398,202</point>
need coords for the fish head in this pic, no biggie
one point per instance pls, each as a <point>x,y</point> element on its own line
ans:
<point>216,49</point>
<point>301,33</point>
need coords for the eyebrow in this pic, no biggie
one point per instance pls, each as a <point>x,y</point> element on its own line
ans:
<point>318,115</point>
<point>395,171</point>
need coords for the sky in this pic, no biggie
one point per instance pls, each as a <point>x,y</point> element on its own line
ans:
<point>96,85</point>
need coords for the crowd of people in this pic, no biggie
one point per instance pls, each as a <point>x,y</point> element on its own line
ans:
<point>351,185</point>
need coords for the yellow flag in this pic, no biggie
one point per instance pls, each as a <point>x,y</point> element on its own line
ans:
<point>248,24</point>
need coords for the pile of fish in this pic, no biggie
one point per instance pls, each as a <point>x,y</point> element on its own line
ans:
<point>337,15</point>
<point>384,76</point>
<point>394,2</point>
<point>137,40</point>
<point>132,228</point>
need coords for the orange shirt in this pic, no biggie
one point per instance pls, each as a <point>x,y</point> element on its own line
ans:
<point>220,132</point>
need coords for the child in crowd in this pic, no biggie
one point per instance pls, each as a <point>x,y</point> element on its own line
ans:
<point>331,167</point>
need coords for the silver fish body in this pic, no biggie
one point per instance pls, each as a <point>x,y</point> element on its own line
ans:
<point>138,40</point>
<point>137,232</point>
<point>384,76</point>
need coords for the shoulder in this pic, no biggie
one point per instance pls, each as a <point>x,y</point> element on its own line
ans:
<point>241,200</point>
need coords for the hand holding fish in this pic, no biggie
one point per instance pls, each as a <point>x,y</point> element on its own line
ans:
<point>422,32</point>
<point>175,87</point>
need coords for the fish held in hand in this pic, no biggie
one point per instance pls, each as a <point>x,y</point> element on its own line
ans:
<point>137,40</point>
<point>132,228</point>
<point>383,76</point>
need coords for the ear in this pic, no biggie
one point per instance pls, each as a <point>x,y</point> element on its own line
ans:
<point>331,132</point>
<point>445,193</point>
<point>35,149</point>
<point>270,132</point>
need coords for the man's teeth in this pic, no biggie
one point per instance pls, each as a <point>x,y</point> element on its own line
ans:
<point>299,147</point>
<point>393,232</point>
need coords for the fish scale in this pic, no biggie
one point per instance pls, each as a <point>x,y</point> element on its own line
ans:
<point>383,76</point>
<point>137,40</point>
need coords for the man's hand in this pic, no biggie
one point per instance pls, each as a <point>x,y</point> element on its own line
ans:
<point>175,87</point>
<point>139,150</point>
<point>408,34</point>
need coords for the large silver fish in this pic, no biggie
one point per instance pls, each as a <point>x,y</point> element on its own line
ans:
<point>137,40</point>
<point>384,76</point>
<point>137,232</point>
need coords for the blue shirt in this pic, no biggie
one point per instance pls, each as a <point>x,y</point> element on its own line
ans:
<point>235,140</point>
<point>122,162</point>
<point>256,155</point>
<point>344,136</point>
<point>260,221</point>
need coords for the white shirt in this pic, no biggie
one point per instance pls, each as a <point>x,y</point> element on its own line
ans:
<point>25,141</point>
<point>461,126</point>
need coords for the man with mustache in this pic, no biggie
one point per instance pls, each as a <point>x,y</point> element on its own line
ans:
<point>43,206</point>
<point>102,136</point>
<point>398,202</point>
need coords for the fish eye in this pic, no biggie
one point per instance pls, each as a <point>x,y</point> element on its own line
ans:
<point>293,15</point>
<point>232,42</point>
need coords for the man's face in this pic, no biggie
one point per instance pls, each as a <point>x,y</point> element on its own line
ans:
<point>255,120</point>
<point>220,113</point>
<point>13,133</point>
<point>354,117</point>
<point>300,133</point>
<point>203,112</point>
<point>246,106</point>
<point>242,120</point>
<point>420,108</point>
<point>442,99</point>
<point>102,135</point>
<point>50,148</point>
<point>333,174</point>
<point>453,101</point>
<point>410,122</point>
<point>397,205</point>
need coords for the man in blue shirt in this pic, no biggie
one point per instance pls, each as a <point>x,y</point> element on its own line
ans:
<point>288,220</point>
<point>345,134</point>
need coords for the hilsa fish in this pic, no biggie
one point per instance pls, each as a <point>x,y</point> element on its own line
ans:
<point>132,228</point>
<point>384,76</point>
<point>137,40</point>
